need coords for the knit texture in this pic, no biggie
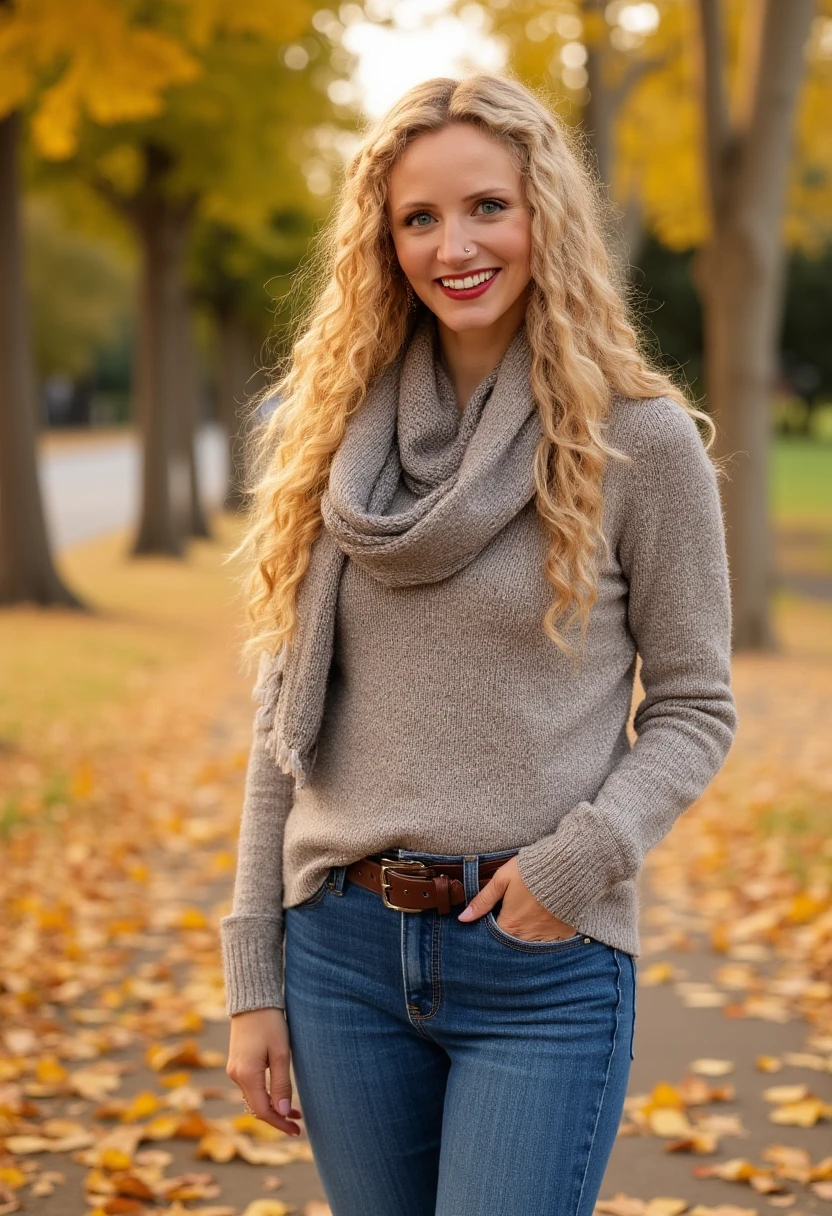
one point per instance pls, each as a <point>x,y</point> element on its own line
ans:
<point>467,475</point>
<point>452,724</point>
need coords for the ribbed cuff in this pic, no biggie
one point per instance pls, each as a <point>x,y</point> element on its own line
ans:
<point>568,870</point>
<point>252,957</point>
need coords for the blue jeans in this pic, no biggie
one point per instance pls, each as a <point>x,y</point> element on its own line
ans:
<point>450,1069</point>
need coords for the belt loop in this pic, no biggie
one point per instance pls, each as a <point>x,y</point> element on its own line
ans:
<point>335,881</point>
<point>470,877</point>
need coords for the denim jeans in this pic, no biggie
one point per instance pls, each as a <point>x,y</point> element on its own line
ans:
<point>451,1069</point>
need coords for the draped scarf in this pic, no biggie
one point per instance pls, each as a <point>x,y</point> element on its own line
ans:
<point>417,488</point>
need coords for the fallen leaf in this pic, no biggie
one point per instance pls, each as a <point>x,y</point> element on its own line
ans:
<point>712,1068</point>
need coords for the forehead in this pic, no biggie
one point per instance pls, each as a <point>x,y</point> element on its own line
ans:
<point>451,163</point>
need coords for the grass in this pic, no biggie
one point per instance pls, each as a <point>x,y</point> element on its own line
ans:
<point>801,483</point>
<point>59,668</point>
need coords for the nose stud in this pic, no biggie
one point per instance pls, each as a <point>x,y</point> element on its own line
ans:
<point>467,250</point>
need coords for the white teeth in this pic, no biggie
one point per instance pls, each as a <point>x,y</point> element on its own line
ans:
<point>471,280</point>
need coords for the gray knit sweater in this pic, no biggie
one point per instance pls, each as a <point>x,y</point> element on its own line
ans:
<point>454,725</point>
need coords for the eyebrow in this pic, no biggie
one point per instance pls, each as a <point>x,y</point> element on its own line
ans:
<point>468,198</point>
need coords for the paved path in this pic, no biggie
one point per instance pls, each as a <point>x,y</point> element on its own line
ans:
<point>92,488</point>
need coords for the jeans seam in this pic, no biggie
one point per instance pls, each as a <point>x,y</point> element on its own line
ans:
<point>633,1031</point>
<point>606,1081</point>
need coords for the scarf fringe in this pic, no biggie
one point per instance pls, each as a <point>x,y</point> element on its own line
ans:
<point>289,761</point>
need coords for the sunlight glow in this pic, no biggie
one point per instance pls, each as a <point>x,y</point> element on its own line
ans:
<point>424,40</point>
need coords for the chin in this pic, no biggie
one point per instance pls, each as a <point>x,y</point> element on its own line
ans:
<point>460,323</point>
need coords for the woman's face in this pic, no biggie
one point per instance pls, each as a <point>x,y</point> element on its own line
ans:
<point>457,213</point>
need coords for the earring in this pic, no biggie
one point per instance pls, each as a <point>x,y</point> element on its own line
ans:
<point>410,296</point>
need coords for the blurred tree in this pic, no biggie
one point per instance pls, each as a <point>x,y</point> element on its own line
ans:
<point>85,57</point>
<point>739,271</point>
<point>183,109</point>
<point>226,148</point>
<point>249,285</point>
<point>81,291</point>
<point>27,571</point>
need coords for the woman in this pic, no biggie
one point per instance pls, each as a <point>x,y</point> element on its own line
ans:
<point>471,461</point>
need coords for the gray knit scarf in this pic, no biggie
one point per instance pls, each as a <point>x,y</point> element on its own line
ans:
<point>470,472</point>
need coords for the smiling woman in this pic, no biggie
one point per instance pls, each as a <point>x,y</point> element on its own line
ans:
<point>470,459</point>
<point>466,247</point>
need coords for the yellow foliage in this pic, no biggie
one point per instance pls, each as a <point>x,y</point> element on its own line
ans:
<point>654,79</point>
<point>111,67</point>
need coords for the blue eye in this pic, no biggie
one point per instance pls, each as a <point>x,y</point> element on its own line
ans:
<point>418,215</point>
<point>492,202</point>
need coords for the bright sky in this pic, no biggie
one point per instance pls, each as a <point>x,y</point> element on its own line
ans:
<point>424,41</point>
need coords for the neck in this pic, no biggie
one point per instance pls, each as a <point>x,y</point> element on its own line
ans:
<point>469,355</point>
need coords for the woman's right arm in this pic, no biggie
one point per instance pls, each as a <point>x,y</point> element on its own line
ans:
<point>252,941</point>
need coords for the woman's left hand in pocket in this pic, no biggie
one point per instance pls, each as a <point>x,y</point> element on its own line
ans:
<point>521,914</point>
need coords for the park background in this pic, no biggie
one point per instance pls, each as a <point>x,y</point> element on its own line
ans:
<point>165,167</point>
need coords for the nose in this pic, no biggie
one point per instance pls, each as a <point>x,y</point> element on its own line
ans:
<point>455,247</point>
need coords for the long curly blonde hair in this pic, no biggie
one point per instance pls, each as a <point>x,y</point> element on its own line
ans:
<point>582,346</point>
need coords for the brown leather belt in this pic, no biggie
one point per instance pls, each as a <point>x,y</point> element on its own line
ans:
<point>412,886</point>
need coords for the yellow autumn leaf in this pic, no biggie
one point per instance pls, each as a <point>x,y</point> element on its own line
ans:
<point>50,1071</point>
<point>621,1205</point>
<point>665,1095</point>
<point>712,1068</point>
<point>657,973</point>
<point>666,1122</point>
<point>768,1063</point>
<point>785,1093</point>
<point>217,1145</point>
<point>141,1106</point>
<point>115,1159</point>
<point>174,1079</point>
<point>665,1206</point>
<point>801,1114</point>
<point>267,1207</point>
<point>13,1177</point>
<point>737,1169</point>
<point>81,785</point>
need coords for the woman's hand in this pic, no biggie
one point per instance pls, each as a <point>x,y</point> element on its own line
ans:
<point>521,914</point>
<point>260,1040</point>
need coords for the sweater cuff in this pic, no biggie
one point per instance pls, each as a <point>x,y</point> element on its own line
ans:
<point>570,869</point>
<point>252,958</point>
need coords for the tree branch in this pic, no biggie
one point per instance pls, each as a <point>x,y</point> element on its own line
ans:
<point>635,72</point>
<point>717,125</point>
<point>773,89</point>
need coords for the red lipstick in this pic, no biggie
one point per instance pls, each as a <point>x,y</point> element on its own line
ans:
<point>469,293</point>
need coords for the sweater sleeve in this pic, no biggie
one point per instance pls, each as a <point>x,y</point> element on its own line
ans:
<point>252,935</point>
<point>672,552</point>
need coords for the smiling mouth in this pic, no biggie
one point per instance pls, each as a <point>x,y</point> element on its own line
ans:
<point>475,279</point>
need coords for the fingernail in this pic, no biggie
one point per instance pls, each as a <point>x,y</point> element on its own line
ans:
<point>467,914</point>
<point>284,1106</point>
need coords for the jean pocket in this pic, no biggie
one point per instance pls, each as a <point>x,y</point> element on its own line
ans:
<point>315,898</point>
<point>528,947</point>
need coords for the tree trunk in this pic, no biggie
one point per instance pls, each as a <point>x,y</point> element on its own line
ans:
<point>740,275</point>
<point>239,379</point>
<point>162,227</point>
<point>189,417</point>
<point>605,102</point>
<point>27,573</point>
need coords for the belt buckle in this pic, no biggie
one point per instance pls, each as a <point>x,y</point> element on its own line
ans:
<point>390,863</point>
